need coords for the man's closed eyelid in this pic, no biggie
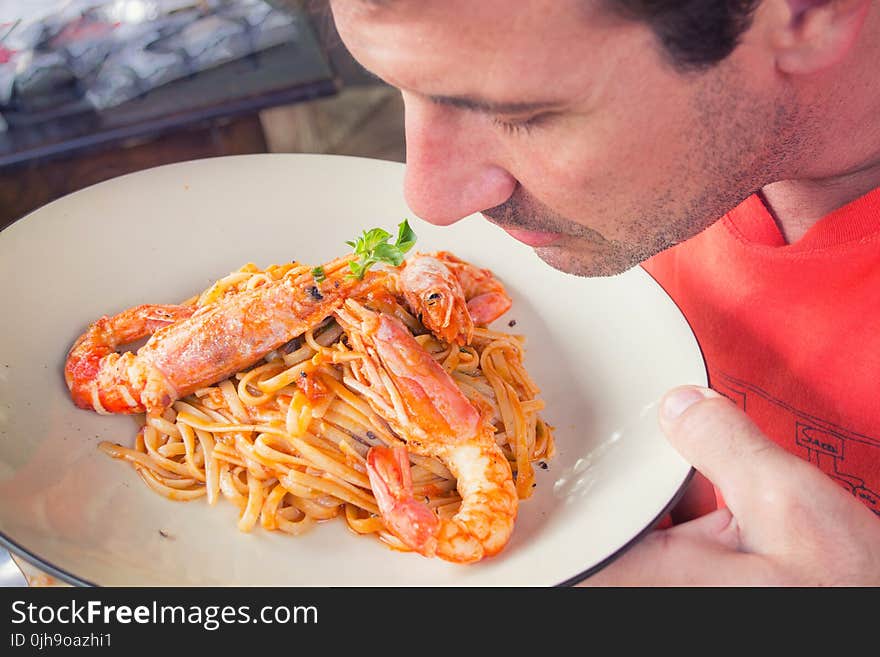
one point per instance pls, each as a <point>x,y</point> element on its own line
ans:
<point>524,121</point>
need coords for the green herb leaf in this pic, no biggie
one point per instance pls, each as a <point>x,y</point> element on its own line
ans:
<point>372,247</point>
<point>406,238</point>
<point>373,238</point>
<point>318,274</point>
<point>388,253</point>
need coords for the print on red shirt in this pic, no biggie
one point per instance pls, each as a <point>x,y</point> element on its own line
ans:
<point>839,453</point>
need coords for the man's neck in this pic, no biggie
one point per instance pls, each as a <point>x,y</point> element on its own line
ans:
<point>797,205</point>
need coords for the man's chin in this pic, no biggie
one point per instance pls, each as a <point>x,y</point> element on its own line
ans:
<point>579,263</point>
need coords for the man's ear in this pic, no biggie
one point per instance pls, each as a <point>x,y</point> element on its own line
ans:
<point>818,34</point>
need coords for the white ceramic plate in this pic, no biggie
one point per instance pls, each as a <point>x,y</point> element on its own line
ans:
<point>603,351</point>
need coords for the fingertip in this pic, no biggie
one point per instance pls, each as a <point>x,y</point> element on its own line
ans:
<point>678,400</point>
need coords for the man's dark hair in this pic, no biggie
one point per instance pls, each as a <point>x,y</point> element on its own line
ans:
<point>695,33</point>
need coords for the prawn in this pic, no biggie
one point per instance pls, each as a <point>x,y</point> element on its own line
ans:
<point>451,295</point>
<point>193,347</point>
<point>422,404</point>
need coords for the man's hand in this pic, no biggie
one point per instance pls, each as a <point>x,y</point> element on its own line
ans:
<point>786,523</point>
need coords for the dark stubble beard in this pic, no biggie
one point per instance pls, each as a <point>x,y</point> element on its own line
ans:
<point>581,250</point>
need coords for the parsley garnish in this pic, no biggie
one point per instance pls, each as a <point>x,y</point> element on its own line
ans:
<point>373,247</point>
<point>318,274</point>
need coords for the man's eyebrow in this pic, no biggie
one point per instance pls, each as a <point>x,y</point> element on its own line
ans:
<point>492,107</point>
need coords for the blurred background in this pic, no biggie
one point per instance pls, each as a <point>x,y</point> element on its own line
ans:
<point>93,89</point>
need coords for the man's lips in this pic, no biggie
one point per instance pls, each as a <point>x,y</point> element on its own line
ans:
<point>533,238</point>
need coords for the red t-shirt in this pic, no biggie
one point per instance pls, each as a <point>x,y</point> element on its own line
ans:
<point>791,332</point>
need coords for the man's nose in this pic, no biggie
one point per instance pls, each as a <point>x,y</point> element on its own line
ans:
<point>450,172</point>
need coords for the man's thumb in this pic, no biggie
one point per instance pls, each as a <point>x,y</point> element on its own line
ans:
<point>720,441</point>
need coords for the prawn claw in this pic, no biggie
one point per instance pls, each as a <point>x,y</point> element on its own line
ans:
<point>413,522</point>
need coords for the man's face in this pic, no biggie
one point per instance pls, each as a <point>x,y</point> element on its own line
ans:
<point>567,126</point>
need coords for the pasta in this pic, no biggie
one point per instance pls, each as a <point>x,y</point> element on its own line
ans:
<point>286,440</point>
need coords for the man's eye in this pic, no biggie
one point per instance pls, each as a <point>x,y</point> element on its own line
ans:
<point>517,126</point>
